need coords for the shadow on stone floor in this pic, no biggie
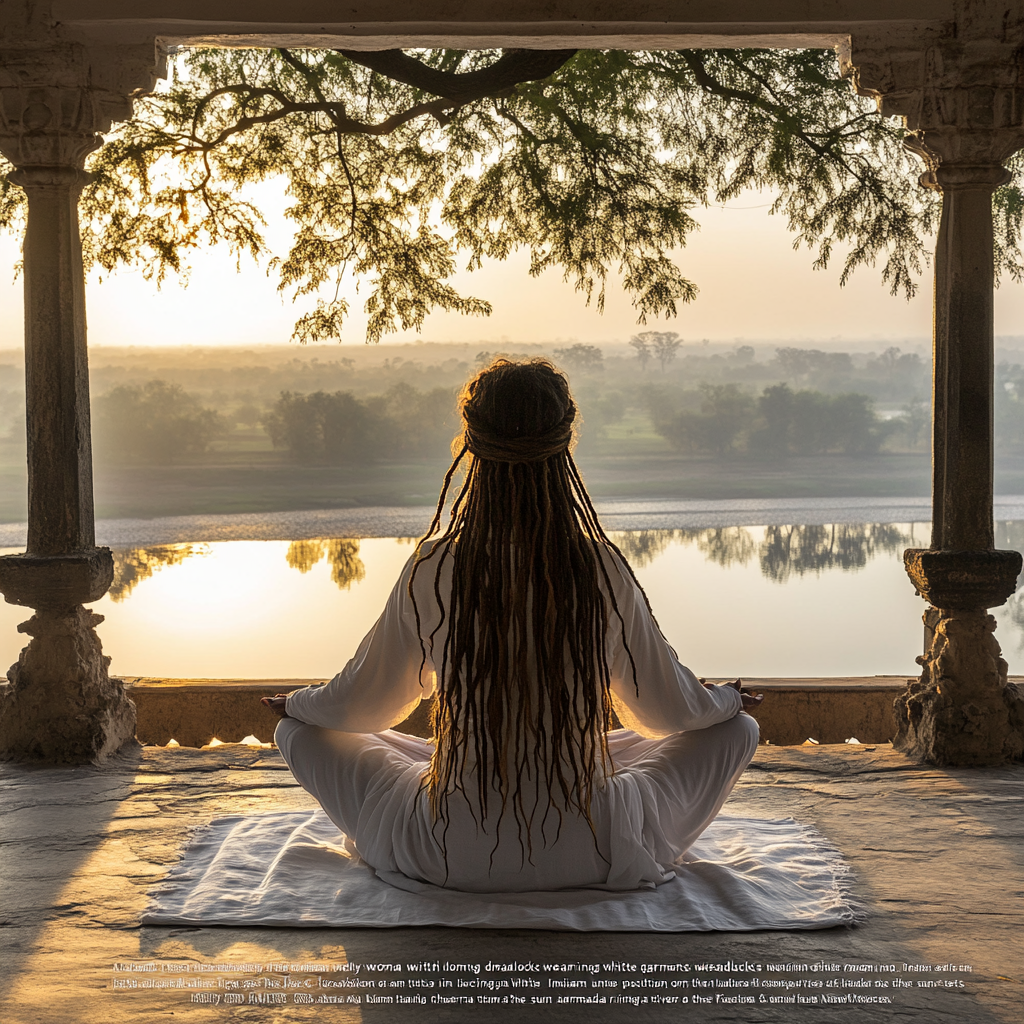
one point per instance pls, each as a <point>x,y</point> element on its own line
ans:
<point>937,855</point>
<point>70,809</point>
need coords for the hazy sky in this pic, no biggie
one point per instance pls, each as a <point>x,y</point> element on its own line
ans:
<point>753,285</point>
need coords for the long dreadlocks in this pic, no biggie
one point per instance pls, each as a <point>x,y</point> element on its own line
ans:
<point>523,689</point>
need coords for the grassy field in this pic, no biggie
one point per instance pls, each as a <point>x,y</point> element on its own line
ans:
<point>246,474</point>
<point>252,477</point>
<point>620,455</point>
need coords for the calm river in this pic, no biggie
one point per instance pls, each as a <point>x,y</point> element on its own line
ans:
<point>819,590</point>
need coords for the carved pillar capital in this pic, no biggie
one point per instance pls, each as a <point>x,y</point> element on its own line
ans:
<point>49,176</point>
<point>959,90</point>
<point>57,100</point>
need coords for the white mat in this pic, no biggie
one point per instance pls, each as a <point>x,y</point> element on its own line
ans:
<point>292,869</point>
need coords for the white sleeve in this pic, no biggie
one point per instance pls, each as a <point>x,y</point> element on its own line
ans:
<point>666,696</point>
<point>380,686</point>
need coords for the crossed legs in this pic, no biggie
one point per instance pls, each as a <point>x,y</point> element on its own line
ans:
<point>687,776</point>
<point>342,770</point>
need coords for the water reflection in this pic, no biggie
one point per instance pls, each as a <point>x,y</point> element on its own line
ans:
<point>342,555</point>
<point>133,565</point>
<point>725,546</point>
<point>802,549</point>
<point>729,545</point>
<point>782,551</point>
<point>1010,536</point>
<point>751,600</point>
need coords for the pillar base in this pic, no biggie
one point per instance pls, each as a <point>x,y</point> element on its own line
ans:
<point>963,579</point>
<point>60,705</point>
<point>56,581</point>
<point>962,711</point>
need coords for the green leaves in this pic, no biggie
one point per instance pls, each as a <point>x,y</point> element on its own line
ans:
<point>596,170</point>
<point>156,422</point>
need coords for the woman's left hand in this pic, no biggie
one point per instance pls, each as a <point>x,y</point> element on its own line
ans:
<point>276,704</point>
<point>748,699</point>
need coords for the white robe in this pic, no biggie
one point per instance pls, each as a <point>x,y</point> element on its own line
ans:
<point>684,747</point>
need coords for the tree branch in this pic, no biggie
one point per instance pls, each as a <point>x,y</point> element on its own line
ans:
<point>509,70</point>
<point>335,111</point>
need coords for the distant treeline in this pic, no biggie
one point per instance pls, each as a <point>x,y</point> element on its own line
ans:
<point>161,423</point>
<point>778,423</point>
<point>153,422</point>
<point>340,428</point>
<point>383,405</point>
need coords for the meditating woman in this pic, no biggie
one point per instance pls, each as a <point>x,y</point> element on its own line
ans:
<point>526,626</point>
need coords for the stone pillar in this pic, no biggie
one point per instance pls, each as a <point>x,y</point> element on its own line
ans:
<point>959,93</point>
<point>59,703</point>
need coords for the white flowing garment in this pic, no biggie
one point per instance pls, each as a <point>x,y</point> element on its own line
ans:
<point>684,747</point>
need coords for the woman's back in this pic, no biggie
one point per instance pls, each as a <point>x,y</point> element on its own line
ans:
<point>514,618</point>
<point>523,622</point>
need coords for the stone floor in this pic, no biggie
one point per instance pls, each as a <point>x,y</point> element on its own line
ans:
<point>937,854</point>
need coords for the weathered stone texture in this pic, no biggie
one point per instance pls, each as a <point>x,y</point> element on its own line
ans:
<point>963,579</point>
<point>962,711</point>
<point>959,89</point>
<point>935,853</point>
<point>56,98</point>
<point>60,704</point>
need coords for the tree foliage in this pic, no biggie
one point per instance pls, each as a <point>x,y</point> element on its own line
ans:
<point>339,428</point>
<point>642,349</point>
<point>725,416</point>
<point>155,422</point>
<point>322,427</point>
<point>399,166</point>
<point>812,423</point>
<point>580,357</point>
<point>661,345</point>
<point>780,422</point>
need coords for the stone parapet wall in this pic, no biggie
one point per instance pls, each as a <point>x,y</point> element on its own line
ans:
<point>195,711</point>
